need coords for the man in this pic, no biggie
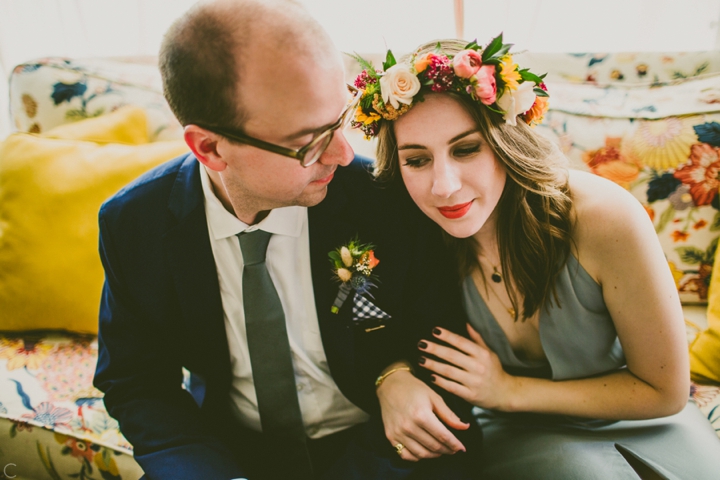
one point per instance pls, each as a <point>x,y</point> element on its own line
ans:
<point>214,263</point>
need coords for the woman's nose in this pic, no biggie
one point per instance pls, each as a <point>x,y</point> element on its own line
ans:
<point>446,180</point>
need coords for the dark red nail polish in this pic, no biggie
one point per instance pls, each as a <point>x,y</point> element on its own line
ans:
<point>433,378</point>
<point>422,345</point>
<point>437,331</point>
<point>421,360</point>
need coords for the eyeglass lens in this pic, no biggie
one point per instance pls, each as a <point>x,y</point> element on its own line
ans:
<point>314,154</point>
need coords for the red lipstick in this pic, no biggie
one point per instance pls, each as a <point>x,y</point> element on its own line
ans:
<point>455,211</point>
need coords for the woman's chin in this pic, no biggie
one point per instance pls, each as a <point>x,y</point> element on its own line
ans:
<point>458,228</point>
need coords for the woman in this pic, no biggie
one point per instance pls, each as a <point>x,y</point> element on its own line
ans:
<point>577,358</point>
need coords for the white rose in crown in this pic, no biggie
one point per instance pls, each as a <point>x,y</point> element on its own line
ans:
<point>516,102</point>
<point>399,85</point>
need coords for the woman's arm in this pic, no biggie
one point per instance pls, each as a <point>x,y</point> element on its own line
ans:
<point>618,246</point>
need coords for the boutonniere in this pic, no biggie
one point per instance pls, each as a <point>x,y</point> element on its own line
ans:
<point>352,266</point>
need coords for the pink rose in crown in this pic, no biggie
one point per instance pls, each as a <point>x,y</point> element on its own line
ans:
<point>486,88</point>
<point>466,63</point>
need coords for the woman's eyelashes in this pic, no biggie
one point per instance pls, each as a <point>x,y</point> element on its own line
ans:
<point>466,150</point>
<point>415,162</point>
<point>461,151</point>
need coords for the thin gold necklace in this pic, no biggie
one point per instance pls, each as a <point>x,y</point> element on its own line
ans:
<point>510,310</point>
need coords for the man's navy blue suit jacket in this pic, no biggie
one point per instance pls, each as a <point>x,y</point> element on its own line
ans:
<point>161,309</point>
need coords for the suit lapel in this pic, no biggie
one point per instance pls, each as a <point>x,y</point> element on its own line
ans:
<point>327,231</point>
<point>190,260</point>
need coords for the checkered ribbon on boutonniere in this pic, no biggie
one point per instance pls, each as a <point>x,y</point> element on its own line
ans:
<point>364,309</point>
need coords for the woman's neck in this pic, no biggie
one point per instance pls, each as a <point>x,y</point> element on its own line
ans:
<point>486,239</point>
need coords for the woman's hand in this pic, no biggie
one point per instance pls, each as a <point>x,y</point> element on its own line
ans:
<point>412,414</point>
<point>473,372</point>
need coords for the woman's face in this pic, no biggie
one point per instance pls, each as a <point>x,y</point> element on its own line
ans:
<point>449,170</point>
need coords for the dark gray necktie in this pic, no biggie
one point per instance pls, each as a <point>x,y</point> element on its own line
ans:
<point>269,349</point>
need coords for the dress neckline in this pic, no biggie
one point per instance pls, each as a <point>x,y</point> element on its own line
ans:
<point>497,331</point>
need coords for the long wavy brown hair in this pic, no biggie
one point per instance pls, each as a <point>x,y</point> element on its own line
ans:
<point>534,213</point>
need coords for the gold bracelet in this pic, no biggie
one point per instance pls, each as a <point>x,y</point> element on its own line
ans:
<point>382,377</point>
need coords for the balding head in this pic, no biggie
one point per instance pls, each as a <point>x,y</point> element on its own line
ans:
<point>208,52</point>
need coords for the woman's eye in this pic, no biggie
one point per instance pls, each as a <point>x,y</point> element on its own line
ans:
<point>467,151</point>
<point>415,162</point>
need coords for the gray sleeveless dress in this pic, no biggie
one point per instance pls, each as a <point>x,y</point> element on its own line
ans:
<point>579,340</point>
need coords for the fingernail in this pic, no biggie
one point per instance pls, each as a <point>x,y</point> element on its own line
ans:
<point>421,360</point>
<point>437,331</point>
<point>422,345</point>
<point>433,378</point>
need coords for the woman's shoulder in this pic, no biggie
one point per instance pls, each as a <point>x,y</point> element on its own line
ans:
<point>606,218</point>
<point>597,200</point>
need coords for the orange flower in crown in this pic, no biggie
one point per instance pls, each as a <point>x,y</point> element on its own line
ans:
<point>537,112</point>
<point>487,75</point>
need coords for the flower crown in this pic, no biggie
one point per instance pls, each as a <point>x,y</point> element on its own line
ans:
<point>489,76</point>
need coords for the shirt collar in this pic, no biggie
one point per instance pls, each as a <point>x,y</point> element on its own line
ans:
<point>280,221</point>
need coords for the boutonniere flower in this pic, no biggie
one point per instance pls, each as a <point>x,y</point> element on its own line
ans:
<point>352,266</point>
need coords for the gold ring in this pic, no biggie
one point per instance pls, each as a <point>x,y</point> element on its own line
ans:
<point>399,448</point>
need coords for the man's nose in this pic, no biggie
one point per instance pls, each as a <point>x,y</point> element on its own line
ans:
<point>339,151</point>
<point>446,180</point>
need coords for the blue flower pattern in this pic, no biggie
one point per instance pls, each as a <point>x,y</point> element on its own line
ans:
<point>709,133</point>
<point>64,92</point>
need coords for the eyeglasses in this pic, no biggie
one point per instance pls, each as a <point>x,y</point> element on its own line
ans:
<point>311,152</point>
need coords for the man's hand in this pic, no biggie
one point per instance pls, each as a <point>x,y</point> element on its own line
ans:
<point>413,415</point>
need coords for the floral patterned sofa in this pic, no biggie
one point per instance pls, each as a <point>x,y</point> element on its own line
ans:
<point>650,122</point>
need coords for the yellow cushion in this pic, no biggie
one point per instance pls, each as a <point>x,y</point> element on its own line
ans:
<point>51,188</point>
<point>705,350</point>
<point>127,125</point>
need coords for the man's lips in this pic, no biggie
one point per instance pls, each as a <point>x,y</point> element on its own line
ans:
<point>455,211</point>
<point>325,180</point>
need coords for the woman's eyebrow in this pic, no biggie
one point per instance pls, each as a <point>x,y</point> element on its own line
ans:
<point>412,147</point>
<point>462,135</point>
<point>452,140</point>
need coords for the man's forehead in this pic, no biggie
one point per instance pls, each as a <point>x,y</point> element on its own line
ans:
<point>291,94</point>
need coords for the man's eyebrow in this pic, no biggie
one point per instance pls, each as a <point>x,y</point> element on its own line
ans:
<point>452,140</point>
<point>307,131</point>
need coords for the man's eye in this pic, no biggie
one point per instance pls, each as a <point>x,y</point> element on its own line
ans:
<point>301,142</point>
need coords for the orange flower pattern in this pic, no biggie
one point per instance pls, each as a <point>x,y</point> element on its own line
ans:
<point>679,236</point>
<point>699,224</point>
<point>610,163</point>
<point>701,173</point>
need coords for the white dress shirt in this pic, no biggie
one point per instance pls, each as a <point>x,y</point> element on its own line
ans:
<point>325,410</point>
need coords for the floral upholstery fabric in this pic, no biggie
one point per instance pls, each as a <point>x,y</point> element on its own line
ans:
<point>53,423</point>
<point>54,91</point>
<point>622,68</point>
<point>654,129</point>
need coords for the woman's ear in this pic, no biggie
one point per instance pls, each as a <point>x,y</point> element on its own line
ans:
<point>203,144</point>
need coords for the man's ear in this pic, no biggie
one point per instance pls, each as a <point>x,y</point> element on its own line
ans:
<point>203,144</point>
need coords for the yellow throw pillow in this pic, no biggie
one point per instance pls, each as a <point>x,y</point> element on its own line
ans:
<point>51,188</point>
<point>705,350</point>
<point>126,125</point>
